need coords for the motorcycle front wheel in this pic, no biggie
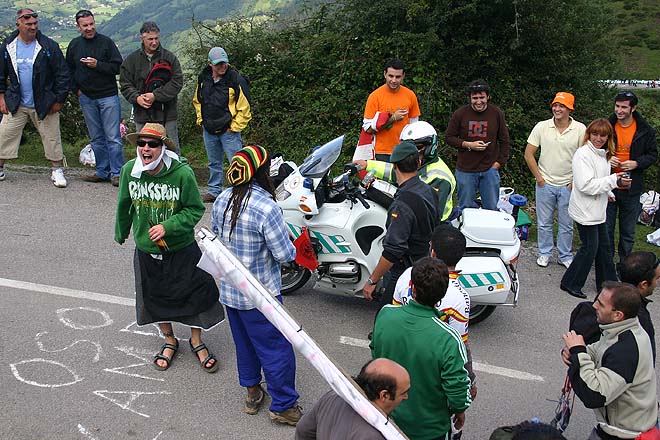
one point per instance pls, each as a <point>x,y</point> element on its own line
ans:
<point>479,312</point>
<point>294,277</point>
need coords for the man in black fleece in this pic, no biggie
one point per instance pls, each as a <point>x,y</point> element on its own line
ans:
<point>94,62</point>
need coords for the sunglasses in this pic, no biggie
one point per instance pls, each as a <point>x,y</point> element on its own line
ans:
<point>626,94</point>
<point>152,144</point>
<point>29,16</point>
<point>84,13</point>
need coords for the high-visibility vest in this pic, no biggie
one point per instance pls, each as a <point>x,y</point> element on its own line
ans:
<point>432,174</point>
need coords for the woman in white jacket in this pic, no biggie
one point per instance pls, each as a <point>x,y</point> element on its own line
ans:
<point>592,186</point>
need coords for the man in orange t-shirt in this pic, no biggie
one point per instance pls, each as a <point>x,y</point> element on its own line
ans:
<point>636,150</point>
<point>394,99</point>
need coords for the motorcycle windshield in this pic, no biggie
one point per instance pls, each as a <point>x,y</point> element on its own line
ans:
<point>319,162</point>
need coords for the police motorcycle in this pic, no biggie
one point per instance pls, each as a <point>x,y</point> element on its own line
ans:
<point>345,218</point>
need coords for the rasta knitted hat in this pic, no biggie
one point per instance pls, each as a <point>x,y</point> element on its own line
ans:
<point>245,164</point>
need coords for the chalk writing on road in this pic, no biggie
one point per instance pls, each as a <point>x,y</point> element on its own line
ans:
<point>61,314</point>
<point>124,399</point>
<point>15,371</point>
<point>40,344</point>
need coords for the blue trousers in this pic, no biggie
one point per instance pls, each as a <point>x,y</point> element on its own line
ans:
<point>260,345</point>
<point>102,117</point>
<point>217,147</point>
<point>488,184</point>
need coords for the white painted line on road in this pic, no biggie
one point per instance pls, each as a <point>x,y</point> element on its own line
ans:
<point>62,291</point>
<point>478,366</point>
<point>501,371</point>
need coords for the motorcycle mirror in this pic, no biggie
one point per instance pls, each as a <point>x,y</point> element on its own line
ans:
<point>352,168</point>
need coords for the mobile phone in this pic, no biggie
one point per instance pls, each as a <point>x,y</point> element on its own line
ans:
<point>487,143</point>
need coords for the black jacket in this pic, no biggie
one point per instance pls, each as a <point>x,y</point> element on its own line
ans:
<point>408,226</point>
<point>133,75</point>
<point>644,150</point>
<point>101,81</point>
<point>222,104</point>
<point>50,75</point>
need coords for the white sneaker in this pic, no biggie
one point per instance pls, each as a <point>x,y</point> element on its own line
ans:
<point>57,176</point>
<point>542,261</point>
<point>2,174</point>
<point>565,263</point>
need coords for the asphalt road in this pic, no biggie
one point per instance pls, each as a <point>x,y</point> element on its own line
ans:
<point>74,366</point>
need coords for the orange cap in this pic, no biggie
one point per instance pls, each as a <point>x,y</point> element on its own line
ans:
<point>564,98</point>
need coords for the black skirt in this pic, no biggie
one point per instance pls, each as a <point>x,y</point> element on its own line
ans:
<point>174,289</point>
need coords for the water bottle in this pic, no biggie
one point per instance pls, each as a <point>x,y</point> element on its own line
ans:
<point>369,179</point>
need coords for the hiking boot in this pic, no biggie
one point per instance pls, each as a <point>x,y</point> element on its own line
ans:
<point>288,417</point>
<point>2,174</point>
<point>208,198</point>
<point>94,178</point>
<point>57,176</point>
<point>253,403</point>
<point>115,180</point>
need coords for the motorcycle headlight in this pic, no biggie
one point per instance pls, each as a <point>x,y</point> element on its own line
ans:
<point>281,194</point>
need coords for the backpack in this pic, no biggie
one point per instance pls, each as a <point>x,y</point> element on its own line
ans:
<point>245,86</point>
<point>583,321</point>
<point>158,76</point>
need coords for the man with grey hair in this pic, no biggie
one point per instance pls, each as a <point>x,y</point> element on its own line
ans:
<point>154,100</point>
<point>221,101</point>
<point>34,82</point>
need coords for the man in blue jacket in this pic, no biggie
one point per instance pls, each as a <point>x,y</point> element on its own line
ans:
<point>34,82</point>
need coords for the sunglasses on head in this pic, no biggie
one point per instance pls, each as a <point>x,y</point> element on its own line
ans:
<point>152,144</point>
<point>29,16</point>
<point>626,93</point>
<point>84,13</point>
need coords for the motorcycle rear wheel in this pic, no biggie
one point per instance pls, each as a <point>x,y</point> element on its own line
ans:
<point>294,277</point>
<point>479,312</point>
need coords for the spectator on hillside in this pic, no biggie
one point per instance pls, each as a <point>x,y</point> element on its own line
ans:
<point>592,185</point>
<point>431,351</point>
<point>480,134</point>
<point>615,376</point>
<point>154,102</point>
<point>558,138</point>
<point>247,220</point>
<point>34,82</point>
<point>636,149</point>
<point>386,385</point>
<point>94,62</point>
<point>222,105</point>
<point>395,100</point>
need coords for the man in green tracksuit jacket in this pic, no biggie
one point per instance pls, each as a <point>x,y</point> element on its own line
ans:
<point>433,353</point>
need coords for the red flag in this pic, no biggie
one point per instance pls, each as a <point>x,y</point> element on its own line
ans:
<point>305,255</point>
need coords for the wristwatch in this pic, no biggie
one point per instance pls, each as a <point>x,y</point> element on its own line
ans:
<point>371,282</point>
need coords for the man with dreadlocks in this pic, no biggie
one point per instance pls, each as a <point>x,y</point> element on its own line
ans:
<point>249,222</point>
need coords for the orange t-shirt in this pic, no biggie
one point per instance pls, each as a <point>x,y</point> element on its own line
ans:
<point>624,137</point>
<point>384,100</point>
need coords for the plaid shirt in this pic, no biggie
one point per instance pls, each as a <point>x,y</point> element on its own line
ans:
<point>260,240</point>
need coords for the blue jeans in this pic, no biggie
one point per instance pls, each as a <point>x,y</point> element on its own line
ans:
<point>549,198</point>
<point>217,147</point>
<point>629,208</point>
<point>594,247</point>
<point>102,117</point>
<point>488,184</point>
<point>260,345</point>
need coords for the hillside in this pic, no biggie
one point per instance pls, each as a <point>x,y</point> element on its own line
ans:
<point>639,40</point>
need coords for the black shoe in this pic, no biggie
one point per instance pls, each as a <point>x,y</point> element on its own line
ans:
<point>575,293</point>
